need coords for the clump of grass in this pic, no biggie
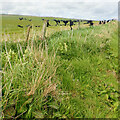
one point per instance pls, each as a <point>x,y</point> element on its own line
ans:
<point>29,81</point>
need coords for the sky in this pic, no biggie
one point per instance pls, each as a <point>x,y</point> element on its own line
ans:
<point>78,9</point>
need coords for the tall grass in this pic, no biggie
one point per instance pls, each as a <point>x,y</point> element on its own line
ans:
<point>70,74</point>
<point>30,84</point>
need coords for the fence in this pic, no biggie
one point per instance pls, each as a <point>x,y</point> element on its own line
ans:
<point>47,24</point>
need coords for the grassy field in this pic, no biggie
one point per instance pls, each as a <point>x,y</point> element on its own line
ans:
<point>70,74</point>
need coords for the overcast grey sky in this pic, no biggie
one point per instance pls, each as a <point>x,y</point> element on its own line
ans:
<point>88,9</point>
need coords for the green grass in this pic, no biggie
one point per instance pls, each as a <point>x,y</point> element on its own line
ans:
<point>72,74</point>
<point>93,67</point>
<point>10,22</point>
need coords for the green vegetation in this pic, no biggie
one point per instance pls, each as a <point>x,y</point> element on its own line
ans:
<point>71,74</point>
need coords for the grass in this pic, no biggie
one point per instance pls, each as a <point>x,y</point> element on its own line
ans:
<point>72,74</point>
<point>93,67</point>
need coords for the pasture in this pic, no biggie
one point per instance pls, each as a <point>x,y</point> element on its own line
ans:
<point>69,74</point>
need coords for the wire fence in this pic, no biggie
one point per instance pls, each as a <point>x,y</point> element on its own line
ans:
<point>46,23</point>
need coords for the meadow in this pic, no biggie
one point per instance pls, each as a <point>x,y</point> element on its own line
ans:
<point>70,74</point>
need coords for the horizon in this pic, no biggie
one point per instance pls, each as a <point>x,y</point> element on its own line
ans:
<point>55,17</point>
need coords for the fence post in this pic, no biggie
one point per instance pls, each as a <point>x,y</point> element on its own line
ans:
<point>28,31</point>
<point>78,24</point>
<point>44,29</point>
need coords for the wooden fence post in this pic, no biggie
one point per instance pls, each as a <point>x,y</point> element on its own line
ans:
<point>78,24</point>
<point>44,29</point>
<point>28,31</point>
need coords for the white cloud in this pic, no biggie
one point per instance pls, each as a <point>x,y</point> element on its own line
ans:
<point>84,10</point>
<point>60,1</point>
